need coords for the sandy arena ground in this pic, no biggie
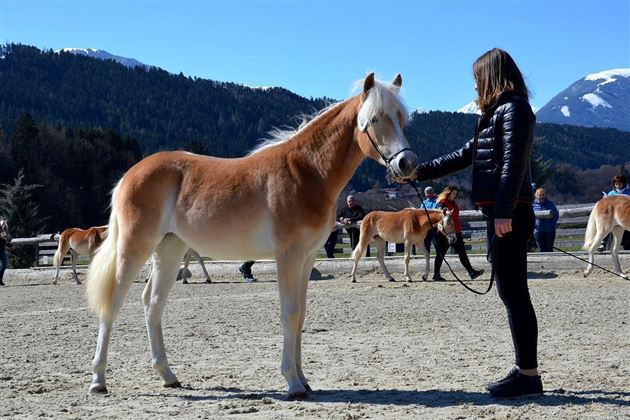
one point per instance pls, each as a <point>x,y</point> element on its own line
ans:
<point>371,349</point>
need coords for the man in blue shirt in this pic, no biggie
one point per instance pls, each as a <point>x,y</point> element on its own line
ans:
<point>545,229</point>
<point>429,203</point>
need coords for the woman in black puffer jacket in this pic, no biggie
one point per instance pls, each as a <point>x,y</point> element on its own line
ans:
<point>500,154</point>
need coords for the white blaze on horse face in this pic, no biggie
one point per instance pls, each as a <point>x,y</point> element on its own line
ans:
<point>382,117</point>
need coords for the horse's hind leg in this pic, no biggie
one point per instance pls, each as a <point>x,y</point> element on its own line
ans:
<point>74,257</point>
<point>380,256</point>
<point>63,249</point>
<point>166,260</point>
<point>357,254</point>
<point>618,235</point>
<point>128,265</point>
<point>408,246</point>
<point>601,233</point>
<point>203,267</point>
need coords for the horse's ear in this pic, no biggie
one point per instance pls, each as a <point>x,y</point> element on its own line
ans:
<point>368,83</point>
<point>397,81</point>
<point>445,211</point>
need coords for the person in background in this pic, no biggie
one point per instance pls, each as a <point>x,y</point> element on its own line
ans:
<point>429,203</point>
<point>331,243</point>
<point>352,213</point>
<point>5,242</point>
<point>447,200</point>
<point>620,186</point>
<point>246,271</point>
<point>500,154</point>
<point>545,229</point>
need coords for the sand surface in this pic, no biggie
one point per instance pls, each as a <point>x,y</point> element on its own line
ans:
<point>370,349</point>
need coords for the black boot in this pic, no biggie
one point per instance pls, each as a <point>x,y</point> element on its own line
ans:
<point>475,273</point>
<point>516,385</point>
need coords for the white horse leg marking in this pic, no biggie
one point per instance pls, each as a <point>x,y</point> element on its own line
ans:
<point>599,236</point>
<point>290,269</point>
<point>306,274</point>
<point>408,246</point>
<point>427,259</point>
<point>166,259</point>
<point>127,268</point>
<point>380,256</point>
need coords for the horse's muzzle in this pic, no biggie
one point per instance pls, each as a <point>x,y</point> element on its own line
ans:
<point>405,163</point>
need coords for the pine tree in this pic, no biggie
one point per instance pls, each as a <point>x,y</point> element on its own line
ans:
<point>21,213</point>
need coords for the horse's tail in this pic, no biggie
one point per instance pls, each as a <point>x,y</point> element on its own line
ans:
<point>101,277</point>
<point>591,230</point>
<point>59,254</point>
<point>357,249</point>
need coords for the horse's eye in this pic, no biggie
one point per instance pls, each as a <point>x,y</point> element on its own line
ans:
<point>374,120</point>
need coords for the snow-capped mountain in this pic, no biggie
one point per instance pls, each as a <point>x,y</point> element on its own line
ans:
<point>104,55</point>
<point>598,100</point>
<point>472,108</point>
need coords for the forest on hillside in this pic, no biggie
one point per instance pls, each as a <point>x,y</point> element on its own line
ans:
<point>70,126</point>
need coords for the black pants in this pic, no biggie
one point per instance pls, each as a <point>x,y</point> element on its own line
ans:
<point>545,240</point>
<point>508,256</point>
<point>331,243</point>
<point>429,239</point>
<point>354,234</point>
<point>442,247</point>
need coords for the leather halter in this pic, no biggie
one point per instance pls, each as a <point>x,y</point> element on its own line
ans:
<point>386,160</point>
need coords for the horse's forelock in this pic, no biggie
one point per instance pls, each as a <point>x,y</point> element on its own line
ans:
<point>383,97</point>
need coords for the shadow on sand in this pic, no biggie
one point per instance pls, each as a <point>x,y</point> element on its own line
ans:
<point>428,398</point>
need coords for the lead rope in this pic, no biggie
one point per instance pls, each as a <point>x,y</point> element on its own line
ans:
<point>437,250</point>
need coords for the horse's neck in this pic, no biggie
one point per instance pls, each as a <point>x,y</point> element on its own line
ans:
<point>327,145</point>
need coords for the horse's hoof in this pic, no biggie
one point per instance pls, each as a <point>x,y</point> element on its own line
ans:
<point>78,282</point>
<point>584,274</point>
<point>175,384</point>
<point>184,281</point>
<point>424,278</point>
<point>298,395</point>
<point>354,280</point>
<point>391,279</point>
<point>308,387</point>
<point>209,281</point>
<point>409,280</point>
<point>54,283</point>
<point>98,389</point>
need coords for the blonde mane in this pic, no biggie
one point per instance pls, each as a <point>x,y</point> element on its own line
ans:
<point>382,96</point>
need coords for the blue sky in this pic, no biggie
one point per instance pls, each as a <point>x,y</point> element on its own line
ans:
<point>319,48</point>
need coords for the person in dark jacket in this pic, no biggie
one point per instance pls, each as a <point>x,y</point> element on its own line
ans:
<point>545,229</point>
<point>500,154</point>
<point>447,200</point>
<point>352,213</point>
<point>5,242</point>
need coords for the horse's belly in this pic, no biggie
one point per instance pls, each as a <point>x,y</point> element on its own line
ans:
<point>232,241</point>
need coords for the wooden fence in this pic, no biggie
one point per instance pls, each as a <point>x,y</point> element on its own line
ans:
<point>569,235</point>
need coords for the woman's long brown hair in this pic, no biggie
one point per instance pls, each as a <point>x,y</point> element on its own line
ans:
<point>496,72</point>
<point>446,192</point>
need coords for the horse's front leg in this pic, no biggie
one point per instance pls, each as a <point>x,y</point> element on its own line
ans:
<point>427,260</point>
<point>306,274</point>
<point>290,272</point>
<point>408,246</point>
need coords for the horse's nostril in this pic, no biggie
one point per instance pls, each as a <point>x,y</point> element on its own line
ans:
<point>403,164</point>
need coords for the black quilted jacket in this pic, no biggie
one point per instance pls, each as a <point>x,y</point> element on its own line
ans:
<point>500,154</point>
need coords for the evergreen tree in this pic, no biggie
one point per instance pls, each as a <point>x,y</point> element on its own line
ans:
<point>22,215</point>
